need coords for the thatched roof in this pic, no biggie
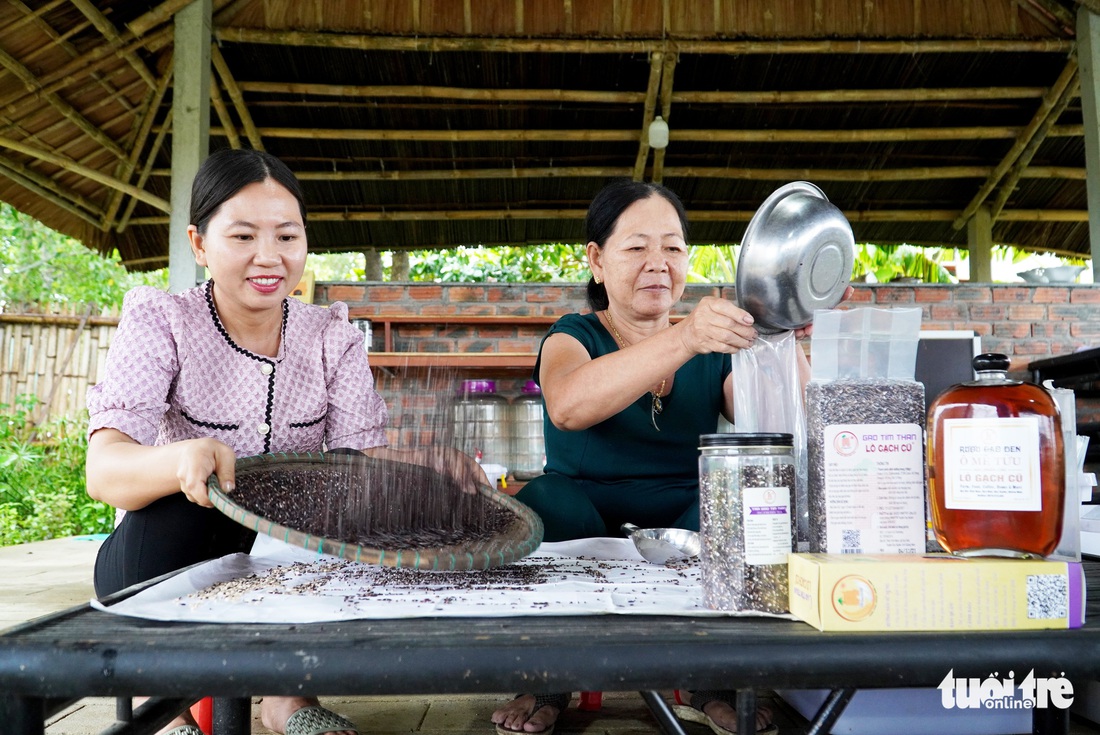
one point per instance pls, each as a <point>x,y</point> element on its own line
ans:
<point>426,123</point>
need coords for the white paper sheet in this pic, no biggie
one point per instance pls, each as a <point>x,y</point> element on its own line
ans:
<point>278,583</point>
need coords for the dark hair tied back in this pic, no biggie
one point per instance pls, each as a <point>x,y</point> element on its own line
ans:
<point>603,215</point>
<point>228,171</point>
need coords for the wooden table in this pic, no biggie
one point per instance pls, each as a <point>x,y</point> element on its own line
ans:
<point>49,662</point>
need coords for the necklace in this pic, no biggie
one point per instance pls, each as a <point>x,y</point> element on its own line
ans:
<point>656,406</point>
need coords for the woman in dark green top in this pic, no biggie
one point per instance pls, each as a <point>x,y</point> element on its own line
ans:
<point>627,394</point>
<point>635,466</point>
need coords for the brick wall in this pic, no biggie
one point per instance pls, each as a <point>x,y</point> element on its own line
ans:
<point>1027,323</point>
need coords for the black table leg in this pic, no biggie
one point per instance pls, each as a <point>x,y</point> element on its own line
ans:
<point>1049,720</point>
<point>746,710</point>
<point>830,711</point>
<point>660,709</point>
<point>232,716</point>
<point>23,715</point>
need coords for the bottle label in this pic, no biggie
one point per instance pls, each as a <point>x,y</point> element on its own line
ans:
<point>767,515</point>
<point>992,464</point>
<point>874,489</point>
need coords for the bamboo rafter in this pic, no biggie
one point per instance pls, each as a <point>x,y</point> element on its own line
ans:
<point>678,135</point>
<point>656,60</point>
<point>666,108</point>
<point>223,113</point>
<point>154,150</point>
<point>148,115</point>
<point>109,32</point>
<point>33,181</point>
<point>421,91</point>
<point>878,215</point>
<point>235,96</point>
<point>63,108</point>
<point>1024,160</point>
<point>89,173</point>
<point>641,46</point>
<point>1069,72</point>
<point>60,41</point>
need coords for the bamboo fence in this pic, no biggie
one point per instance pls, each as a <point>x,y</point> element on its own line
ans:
<point>53,356</point>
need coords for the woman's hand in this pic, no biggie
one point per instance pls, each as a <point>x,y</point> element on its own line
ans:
<point>461,468</point>
<point>200,458</point>
<point>717,325</point>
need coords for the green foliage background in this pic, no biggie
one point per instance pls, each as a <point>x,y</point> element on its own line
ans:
<point>42,491</point>
<point>39,266</point>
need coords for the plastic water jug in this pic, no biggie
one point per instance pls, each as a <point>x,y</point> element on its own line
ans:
<point>528,447</point>
<point>481,422</point>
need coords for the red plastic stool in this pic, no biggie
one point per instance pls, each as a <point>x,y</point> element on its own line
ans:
<point>203,712</point>
<point>591,701</point>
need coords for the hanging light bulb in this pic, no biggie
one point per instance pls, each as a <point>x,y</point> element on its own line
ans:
<point>658,133</point>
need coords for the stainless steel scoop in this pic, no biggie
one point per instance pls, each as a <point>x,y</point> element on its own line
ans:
<point>662,545</point>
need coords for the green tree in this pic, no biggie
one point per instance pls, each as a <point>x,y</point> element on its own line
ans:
<point>40,266</point>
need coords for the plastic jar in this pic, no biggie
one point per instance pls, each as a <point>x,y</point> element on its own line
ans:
<point>480,422</point>
<point>746,507</point>
<point>528,446</point>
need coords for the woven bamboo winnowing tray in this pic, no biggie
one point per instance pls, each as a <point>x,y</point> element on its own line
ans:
<point>377,511</point>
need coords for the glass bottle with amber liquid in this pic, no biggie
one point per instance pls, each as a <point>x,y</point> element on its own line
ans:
<point>996,471</point>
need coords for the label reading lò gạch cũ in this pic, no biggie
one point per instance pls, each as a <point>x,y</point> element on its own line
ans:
<point>992,464</point>
<point>874,488</point>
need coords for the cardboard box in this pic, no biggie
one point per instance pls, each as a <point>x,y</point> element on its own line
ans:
<point>878,592</point>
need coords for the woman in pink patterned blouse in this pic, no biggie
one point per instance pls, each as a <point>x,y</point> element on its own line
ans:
<point>229,368</point>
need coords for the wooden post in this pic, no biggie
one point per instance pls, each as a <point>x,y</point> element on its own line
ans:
<point>979,238</point>
<point>190,133</point>
<point>1088,57</point>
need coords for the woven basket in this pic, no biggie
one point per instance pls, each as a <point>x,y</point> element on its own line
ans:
<point>377,511</point>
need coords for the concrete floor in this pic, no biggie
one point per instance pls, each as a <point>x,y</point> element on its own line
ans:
<point>40,578</point>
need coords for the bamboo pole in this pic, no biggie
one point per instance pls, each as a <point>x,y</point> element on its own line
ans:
<point>84,65</point>
<point>1016,172</point>
<point>142,135</point>
<point>157,143</point>
<point>847,96</point>
<point>59,367</point>
<point>236,97</point>
<point>223,113</point>
<point>652,88</point>
<point>466,174</point>
<point>59,41</point>
<point>1069,72</point>
<point>666,108</point>
<point>880,215</point>
<point>47,187</point>
<point>921,173</point>
<point>679,135</point>
<point>89,173</point>
<point>423,91</point>
<point>31,15</point>
<point>364,42</point>
<point>62,107</point>
<point>109,32</point>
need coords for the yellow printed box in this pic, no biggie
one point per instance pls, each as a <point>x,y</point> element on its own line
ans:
<point>876,592</point>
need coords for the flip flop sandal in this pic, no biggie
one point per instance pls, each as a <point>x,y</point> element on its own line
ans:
<point>694,712</point>
<point>317,720</point>
<point>561,701</point>
<point>185,730</point>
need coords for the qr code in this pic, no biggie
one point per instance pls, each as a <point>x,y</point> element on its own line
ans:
<point>1047,597</point>
<point>850,541</point>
